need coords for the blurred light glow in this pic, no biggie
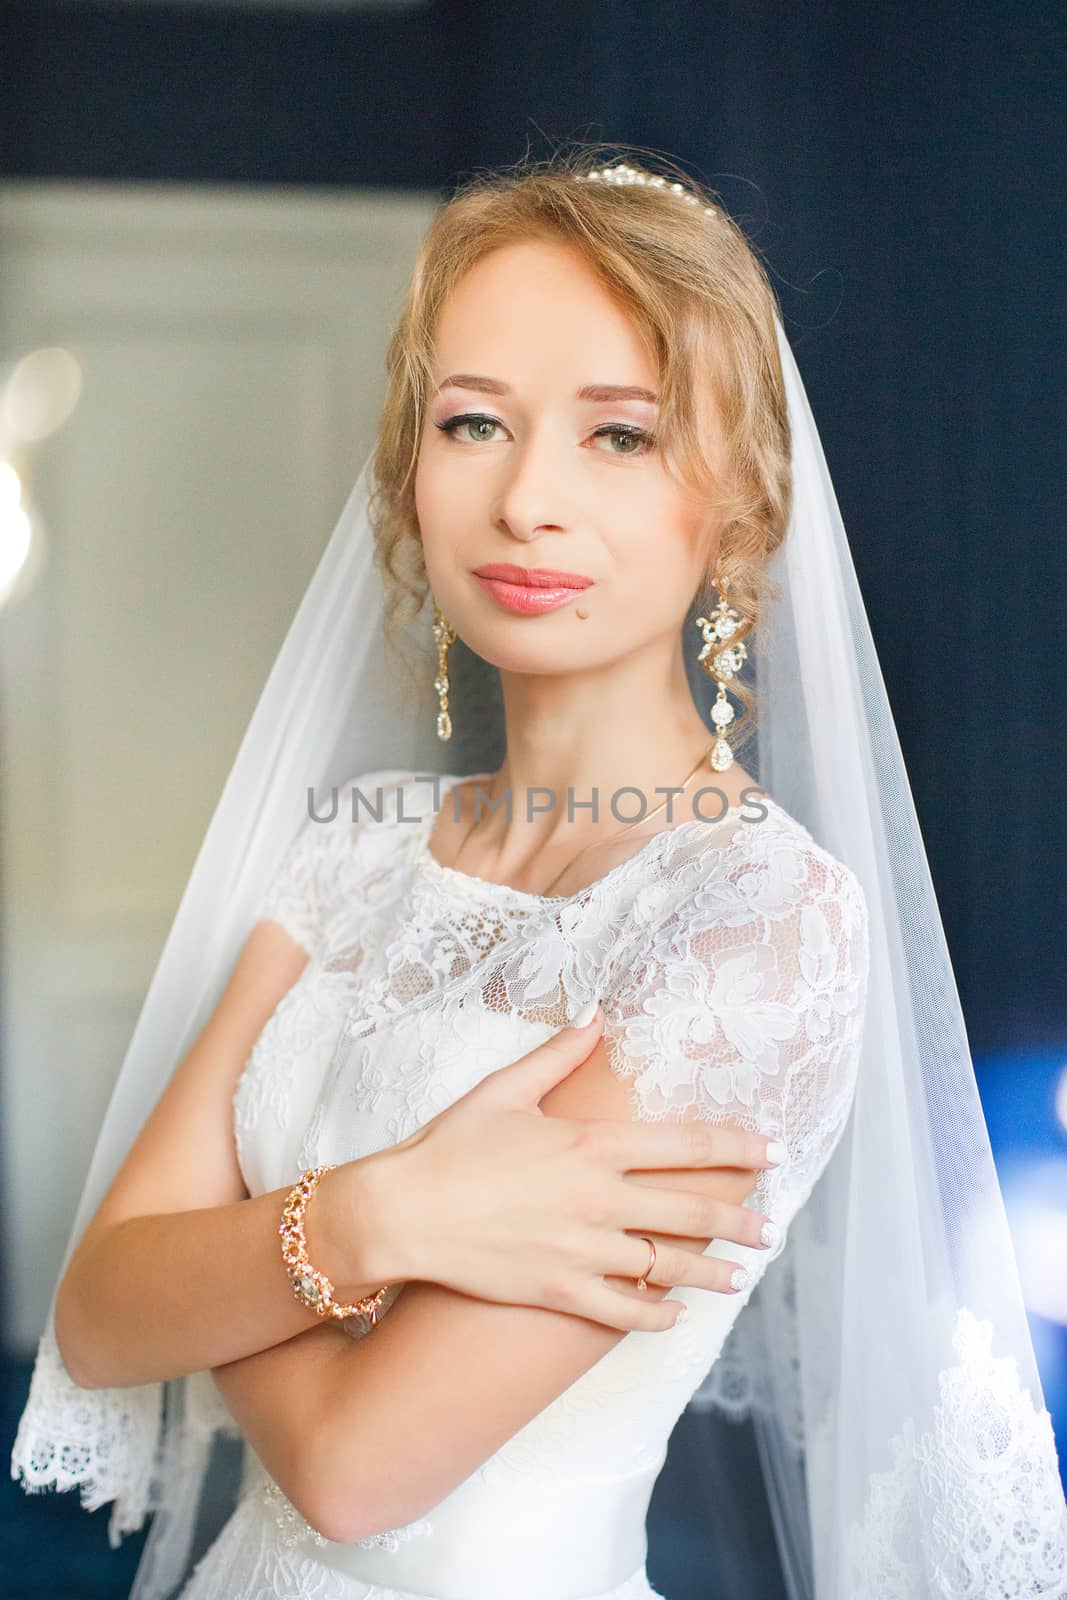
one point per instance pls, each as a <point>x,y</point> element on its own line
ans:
<point>10,487</point>
<point>41,391</point>
<point>1061,1098</point>
<point>16,537</point>
<point>1039,1234</point>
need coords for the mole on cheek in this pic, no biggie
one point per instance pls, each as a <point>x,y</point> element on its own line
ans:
<point>580,612</point>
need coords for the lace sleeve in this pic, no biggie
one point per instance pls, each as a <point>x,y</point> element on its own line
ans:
<point>305,888</point>
<point>299,893</point>
<point>746,1003</point>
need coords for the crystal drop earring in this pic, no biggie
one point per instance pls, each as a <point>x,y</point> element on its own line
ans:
<point>444,634</point>
<point>722,665</point>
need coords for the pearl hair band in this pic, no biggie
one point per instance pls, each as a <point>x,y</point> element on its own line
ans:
<point>623,173</point>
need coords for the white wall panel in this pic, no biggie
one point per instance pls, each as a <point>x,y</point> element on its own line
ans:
<point>232,346</point>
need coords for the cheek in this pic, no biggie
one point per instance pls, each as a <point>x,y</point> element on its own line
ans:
<point>432,501</point>
<point>441,518</point>
<point>442,493</point>
<point>427,471</point>
<point>659,542</point>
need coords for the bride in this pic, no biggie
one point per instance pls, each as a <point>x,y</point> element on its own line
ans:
<point>477,1126</point>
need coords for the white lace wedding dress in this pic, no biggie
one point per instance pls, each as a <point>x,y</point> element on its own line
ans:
<point>731,960</point>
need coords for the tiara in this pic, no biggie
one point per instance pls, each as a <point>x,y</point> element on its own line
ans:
<point>623,173</point>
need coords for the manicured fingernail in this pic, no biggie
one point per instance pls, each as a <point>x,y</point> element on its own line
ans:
<point>681,1314</point>
<point>770,1234</point>
<point>741,1278</point>
<point>582,1018</point>
<point>776,1152</point>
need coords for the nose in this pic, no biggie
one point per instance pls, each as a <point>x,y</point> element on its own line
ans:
<point>530,499</point>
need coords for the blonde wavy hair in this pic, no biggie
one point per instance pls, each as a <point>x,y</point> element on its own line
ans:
<point>698,296</point>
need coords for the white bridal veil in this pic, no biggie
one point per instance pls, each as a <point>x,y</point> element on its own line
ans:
<point>883,1364</point>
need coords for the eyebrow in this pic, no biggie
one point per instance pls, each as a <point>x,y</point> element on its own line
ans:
<point>597,392</point>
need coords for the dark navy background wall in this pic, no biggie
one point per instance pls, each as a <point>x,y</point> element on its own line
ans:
<point>902,169</point>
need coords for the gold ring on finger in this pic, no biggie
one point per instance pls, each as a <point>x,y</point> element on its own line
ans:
<point>642,1282</point>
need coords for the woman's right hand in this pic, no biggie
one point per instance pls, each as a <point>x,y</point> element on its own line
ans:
<point>497,1200</point>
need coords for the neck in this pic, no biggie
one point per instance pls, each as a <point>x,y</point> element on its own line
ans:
<point>628,728</point>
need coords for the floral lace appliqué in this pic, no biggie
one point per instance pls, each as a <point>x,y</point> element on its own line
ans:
<point>969,1506</point>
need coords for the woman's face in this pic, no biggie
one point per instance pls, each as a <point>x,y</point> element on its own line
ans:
<point>518,464</point>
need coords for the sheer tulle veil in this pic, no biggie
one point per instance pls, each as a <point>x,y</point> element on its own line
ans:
<point>883,1366</point>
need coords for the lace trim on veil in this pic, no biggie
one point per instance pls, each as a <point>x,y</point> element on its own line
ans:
<point>973,1503</point>
<point>123,1445</point>
<point>105,1442</point>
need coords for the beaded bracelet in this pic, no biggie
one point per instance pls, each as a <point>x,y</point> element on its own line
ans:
<point>311,1287</point>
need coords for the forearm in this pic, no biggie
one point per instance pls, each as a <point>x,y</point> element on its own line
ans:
<point>156,1297</point>
<point>283,1400</point>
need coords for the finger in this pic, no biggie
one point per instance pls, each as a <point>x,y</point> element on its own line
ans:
<point>629,1313</point>
<point>528,1080</point>
<point>632,1146</point>
<point>689,1214</point>
<point>676,1268</point>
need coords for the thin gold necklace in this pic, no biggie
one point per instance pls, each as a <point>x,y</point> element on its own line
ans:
<point>704,758</point>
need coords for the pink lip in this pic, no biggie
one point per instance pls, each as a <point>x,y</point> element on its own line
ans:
<point>530,590</point>
<point>533,577</point>
<point>527,597</point>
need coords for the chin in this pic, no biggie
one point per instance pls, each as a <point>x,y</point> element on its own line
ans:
<point>531,657</point>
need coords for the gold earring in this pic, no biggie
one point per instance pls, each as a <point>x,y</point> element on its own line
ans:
<point>444,634</point>
<point>721,665</point>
